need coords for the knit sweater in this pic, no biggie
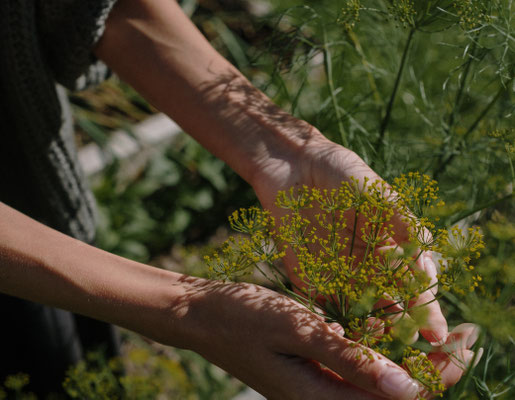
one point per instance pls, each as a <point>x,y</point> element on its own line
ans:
<point>45,45</point>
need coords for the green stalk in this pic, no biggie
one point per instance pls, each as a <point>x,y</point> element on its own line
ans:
<point>481,207</point>
<point>461,88</point>
<point>328,65</point>
<point>467,376</point>
<point>442,164</point>
<point>353,233</point>
<point>371,81</point>
<point>388,113</point>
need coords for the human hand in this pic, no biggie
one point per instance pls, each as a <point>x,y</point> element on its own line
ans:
<point>455,356</point>
<point>282,350</point>
<point>323,164</point>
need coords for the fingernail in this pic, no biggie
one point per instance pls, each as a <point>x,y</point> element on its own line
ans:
<point>336,327</point>
<point>478,357</point>
<point>430,268</point>
<point>398,385</point>
<point>441,342</point>
<point>471,332</point>
<point>437,336</point>
<point>413,338</point>
<point>469,356</point>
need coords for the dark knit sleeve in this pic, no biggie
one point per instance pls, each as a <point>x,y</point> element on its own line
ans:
<point>68,31</point>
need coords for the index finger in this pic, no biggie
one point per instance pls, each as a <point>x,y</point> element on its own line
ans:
<point>359,366</point>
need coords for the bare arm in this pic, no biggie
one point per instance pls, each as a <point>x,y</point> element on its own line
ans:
<point>42,265</point>
<point>155,47</point>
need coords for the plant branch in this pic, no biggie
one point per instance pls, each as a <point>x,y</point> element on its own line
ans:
<point>328,65</point>
<point>461,88</point>
<point>481,207</point>
<point>442,165</point>
<point>388,113</point>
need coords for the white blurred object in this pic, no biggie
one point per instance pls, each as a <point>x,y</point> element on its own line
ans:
<point>155,131</point>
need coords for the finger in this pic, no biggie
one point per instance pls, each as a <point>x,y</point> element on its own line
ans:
<point>462,337</point>
<point>337,328</point>
<point>430,269</point>
<point>298,378</point>
<point>433,325</point>
<point>363,367</point>
<point>454,357</point>
<point>452,366</point>
<point>402,236</point>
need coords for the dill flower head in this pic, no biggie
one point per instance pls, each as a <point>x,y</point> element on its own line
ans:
<point>471,13</point>
<point>350,14</point>
<point>422,369</point>
<point>403,11</point>
<point>348,265</point>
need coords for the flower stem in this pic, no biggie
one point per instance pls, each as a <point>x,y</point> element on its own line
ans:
<point>443,163</point>
<point>353,233</point>
<point>386,119</point>
<point>491,203</point>
<point>328,65</point>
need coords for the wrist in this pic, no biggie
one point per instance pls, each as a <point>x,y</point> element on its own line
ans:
<point>42,265</point>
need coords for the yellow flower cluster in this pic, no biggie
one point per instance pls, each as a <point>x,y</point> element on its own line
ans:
<point>350,14</point>
<point>251,220</point>
<point>347,263</point>
<point>241,254</point>
<point>471,13</point>
<point>417,198</point>
<point>458,249</point>
<point>422,369</point>
<point>403,11</point>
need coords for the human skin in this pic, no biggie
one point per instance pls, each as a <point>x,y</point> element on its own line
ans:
<point>265,339</point>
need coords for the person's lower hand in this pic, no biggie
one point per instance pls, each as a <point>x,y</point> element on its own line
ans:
<point>455,356</point>
<point>282,350</point>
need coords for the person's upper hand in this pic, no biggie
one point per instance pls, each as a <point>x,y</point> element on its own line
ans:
<point>323,164</point>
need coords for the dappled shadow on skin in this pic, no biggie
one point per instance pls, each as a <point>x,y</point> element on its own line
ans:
<point>232,98</point>
<point>259,329</point>
<point>234,90</point>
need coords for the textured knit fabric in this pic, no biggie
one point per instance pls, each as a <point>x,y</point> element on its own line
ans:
<point>45,44</point>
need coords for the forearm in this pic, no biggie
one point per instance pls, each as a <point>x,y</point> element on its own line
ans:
<point>153,46</point>
<point>43,265</point>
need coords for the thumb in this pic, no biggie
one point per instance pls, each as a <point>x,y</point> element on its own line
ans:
<point>361,366</point>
